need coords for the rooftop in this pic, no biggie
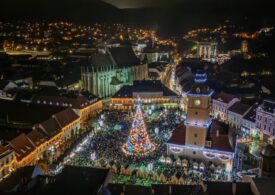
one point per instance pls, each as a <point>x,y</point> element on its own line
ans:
<point>251,114</point>
<point>65,117</point>
<point>178,135</point>
<point>224,140</point>
<point>265,185</point>
<point>268,106</point>
<point>221,137</point>
<point>225,188</point>
<point>55,97</point>
<point>22,146</point>
<point>15,178</point>
<point>4,150</point>
<point>239,108</point>
<point>10,115</point>
<point>50,127</point>
<point>115,56</point>
<point>36,137</point>
<point>76,180</point>
<point>124,56</point>
<point>144,86</point>
<point>224,97</point>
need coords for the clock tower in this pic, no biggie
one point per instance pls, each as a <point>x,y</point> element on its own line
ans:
<point>198,109</point>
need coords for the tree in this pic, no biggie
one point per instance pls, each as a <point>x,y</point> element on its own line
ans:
<point>138,142</point>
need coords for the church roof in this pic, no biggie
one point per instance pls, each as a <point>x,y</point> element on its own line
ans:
<point>101,60</point>
<point>115,81</point>
<point>115,56</point>
<point>124,56</point>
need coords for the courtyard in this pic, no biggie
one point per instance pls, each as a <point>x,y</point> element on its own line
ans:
<point>103,148</point>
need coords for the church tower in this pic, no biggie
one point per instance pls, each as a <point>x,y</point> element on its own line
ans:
<point>198,109</point>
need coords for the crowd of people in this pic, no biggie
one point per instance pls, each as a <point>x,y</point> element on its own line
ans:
<point>111,132</point>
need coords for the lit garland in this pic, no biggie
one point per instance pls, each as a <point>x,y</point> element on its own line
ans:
<point>138,142</point>
<point>176,150</point>
<point>209,155</point>
<point>222,157</point>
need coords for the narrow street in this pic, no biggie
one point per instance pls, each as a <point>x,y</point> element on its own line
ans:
<point>168,77</point>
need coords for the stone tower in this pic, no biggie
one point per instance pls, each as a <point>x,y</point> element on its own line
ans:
<point>198,109</point>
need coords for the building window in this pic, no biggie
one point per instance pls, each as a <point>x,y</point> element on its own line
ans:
<point>195,143</point>
<point>196,113</point>
<point>195,135</point>
<point>194,152</point>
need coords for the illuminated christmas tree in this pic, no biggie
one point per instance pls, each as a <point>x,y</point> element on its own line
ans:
<point>138,142</point>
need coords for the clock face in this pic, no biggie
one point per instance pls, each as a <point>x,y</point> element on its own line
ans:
<point>197,102</point>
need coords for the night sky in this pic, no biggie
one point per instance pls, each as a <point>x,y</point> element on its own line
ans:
<point>132,3</point>
<point>149,3</point>
<point>169,12</point>
<point>138,3</point>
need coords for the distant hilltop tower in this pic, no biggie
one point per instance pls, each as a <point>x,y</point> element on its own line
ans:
<point>207,50</point>
<point>244,47</point>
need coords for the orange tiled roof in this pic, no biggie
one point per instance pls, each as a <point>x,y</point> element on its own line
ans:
<point>36,137</point>
<point>178,136</point>
<point>22,145</point>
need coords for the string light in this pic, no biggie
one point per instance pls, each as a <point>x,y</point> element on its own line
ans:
<point>138,142</point>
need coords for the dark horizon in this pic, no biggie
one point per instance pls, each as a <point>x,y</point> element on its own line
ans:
<point>155,12</point>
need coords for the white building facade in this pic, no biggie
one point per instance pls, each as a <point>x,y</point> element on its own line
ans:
<point>221,103</point>
<point>265,121</point>
<point>236,113</point>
